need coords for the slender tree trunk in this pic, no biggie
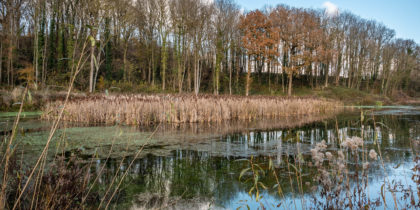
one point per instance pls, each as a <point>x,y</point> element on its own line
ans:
<point>153,64</point>
<point>282,79</point>
<point>248,76</point>
<point>237,69</point>
<point>97,67</point>
<point>338,72</point>
<point>179,76</point>
<point>317,72</point>
<point>149,72</point>
<point>218,77</point>
<point>216,69</point>
<point>164,57</point>
<point>289,90</point>
<point>350,74</point>
<point>268,74</point>
<point>189,72</point>
<point>125,60</point>
<point>10,65</point>
<point>196,75</point>
<point>230,72</point>
<point>44,62</point>
<point>36,53</point>
<point>276,67</point>
<point>1,62</point>
<point>178,62</point>
<point>327,71</point>
<point>92,67</point>
<point>311,76</point>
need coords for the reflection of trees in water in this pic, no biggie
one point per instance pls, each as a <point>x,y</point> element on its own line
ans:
<point>396,133</point>
<point>214,174</point>
<point>189,174</point>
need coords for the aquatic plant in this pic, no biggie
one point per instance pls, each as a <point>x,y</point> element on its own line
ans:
<point>149,109</point>
<point>257,172</point>
<point>334,179</point>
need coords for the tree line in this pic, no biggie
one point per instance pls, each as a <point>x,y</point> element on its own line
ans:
<point>199,46</point>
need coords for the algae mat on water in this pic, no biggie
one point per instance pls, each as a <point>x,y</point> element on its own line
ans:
<point>23,114</point>
<point>88,140</point>
<point>127,140</point>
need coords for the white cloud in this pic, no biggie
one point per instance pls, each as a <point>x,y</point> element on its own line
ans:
<point>330,9</point>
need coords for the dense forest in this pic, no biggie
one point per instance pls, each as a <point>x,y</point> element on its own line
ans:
<point>198,46</point>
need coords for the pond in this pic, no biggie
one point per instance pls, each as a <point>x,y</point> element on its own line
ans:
<point>198,166</point>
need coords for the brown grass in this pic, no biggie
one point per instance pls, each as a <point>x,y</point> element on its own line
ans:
<point>149,109</point>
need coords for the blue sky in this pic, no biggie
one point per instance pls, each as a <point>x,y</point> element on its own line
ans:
<point>401,15</point>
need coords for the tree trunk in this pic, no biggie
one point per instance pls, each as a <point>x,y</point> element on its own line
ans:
<point>97,67</point>
<point>237,69</point>
<point>338,72</point>
<point>125,61</point>
<point>289,90</point>
<point>1,62</point>
<point>311,76</point>
<point>269,78</point>
<point>282,79</point>
<point>230,63</point>
<point>153,64</point>
<point>10,64</point>
<point>44,62</point>
<point>277,73</point>
<point>327,71</point>
<point>36,52</point>
<point>316,66</point>
<point>189,75</point>
<point>196,76</point>
<point>163,61</point>
<point>248,76</point>
<point>149,71</point>
<point>92,67</point>
<point>178,62</point>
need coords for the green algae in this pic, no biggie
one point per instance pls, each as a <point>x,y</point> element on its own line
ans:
<point>98,141</point>
<point>23,114</point>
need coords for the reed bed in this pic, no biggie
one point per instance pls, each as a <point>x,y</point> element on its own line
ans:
<point>149,109</point>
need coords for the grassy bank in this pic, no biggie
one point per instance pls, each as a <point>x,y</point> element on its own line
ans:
<point>10,100</point>
<point>350,96</point>
<point>148,109</point>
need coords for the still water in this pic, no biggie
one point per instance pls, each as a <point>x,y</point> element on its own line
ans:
<point>198,166</point>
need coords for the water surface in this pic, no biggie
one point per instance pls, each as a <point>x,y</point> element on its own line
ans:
<point>198,165</point>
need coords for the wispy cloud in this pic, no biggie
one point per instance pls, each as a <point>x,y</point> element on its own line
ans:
<point>330,9</point>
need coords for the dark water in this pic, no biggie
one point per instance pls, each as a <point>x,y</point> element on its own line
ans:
<point>198,167</point>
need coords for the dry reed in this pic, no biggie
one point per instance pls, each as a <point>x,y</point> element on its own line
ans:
<point>149,109</point>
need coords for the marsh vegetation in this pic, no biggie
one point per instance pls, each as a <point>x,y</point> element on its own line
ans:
<point>148,109</point>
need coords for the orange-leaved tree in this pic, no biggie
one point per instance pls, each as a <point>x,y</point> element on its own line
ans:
<point>258,39</point>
